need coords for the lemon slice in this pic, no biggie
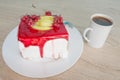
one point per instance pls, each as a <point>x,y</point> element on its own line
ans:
<point>44,23</point>
<point>42,28</point>
<point>47,18</point>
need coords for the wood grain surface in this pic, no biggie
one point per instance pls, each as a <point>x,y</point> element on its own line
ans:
<point>94,64</point>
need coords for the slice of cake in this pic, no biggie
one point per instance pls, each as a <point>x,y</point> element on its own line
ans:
<point>43,36</point>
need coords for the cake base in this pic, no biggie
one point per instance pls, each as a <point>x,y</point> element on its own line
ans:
<point>54,49</point>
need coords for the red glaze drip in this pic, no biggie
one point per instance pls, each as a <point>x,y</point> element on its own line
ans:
<point>29,36</point>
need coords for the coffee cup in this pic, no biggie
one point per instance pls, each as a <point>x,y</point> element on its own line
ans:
<point>98,31</point>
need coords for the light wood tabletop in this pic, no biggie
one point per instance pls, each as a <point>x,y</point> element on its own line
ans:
<point>94,64</point>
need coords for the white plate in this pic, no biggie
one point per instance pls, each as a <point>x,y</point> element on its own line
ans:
<point>37,69</point>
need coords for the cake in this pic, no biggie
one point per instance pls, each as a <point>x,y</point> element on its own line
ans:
<point>43,36</point>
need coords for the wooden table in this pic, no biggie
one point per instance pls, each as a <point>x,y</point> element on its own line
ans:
<point>94,64</point>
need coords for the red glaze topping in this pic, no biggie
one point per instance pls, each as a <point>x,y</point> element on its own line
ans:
<point>29,36</point>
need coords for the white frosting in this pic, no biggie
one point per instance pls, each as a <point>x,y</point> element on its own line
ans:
<point>56,48</point>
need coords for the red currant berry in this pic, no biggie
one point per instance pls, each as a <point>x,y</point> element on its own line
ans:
<point>33,16</point>
<point>60,20</point>
<point>37,18</point>
<point>48,13</point>
<point>30,22</point>
<point>24,18</point>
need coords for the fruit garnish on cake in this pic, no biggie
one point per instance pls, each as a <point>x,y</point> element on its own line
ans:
<point>42,36</point>
<point>44,23</point>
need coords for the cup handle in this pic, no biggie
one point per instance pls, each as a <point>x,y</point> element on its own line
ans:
<point>85,33</point>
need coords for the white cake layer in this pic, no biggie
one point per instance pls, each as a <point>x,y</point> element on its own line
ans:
<point>56,48</point>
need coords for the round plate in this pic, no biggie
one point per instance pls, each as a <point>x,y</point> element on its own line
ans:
<point>37,69</point>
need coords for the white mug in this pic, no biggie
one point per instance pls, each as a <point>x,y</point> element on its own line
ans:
<point>98,31</point>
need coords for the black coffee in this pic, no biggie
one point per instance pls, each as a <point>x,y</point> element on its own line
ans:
<point>102,21</point>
